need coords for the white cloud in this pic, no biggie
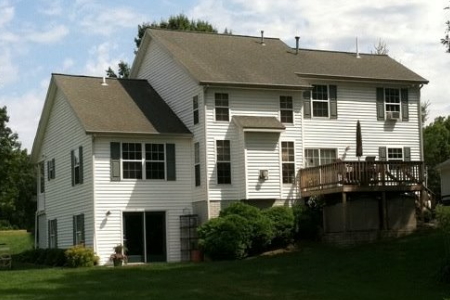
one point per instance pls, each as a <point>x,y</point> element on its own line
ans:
<point>6,12</point>
<point>100,59</point>
<point>9,72</point>
<point>52,35</point>
<point>51,7</point>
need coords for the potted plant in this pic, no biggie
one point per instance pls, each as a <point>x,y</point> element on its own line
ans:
<point>118,257</point>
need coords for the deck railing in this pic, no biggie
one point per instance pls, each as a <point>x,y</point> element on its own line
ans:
<point>364,173</point>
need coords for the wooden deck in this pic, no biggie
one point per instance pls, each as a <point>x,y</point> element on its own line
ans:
<point>364,176</point>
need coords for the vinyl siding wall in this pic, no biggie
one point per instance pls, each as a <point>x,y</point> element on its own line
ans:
<point>177,88</point>
<point>358,102</point>
<point>62,200</point>
<point>172,197</point>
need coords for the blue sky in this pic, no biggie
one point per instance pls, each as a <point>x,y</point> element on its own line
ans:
<point>84,37</point>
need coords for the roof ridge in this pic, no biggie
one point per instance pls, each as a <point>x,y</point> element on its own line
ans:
<point>342,52</point>
<point>97,77</point>
<point>213,33</point>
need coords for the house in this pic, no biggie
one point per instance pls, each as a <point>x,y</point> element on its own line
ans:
<point>211,119</point>
<point>444,170</point>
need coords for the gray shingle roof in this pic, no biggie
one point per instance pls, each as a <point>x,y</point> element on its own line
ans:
<point>243,60</point>
<point>258,122</point>
<point>122,106</point>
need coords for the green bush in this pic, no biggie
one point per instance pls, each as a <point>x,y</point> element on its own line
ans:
<point>260,226</point>
<point>225,237</point>
<point>443,218</point>
<point>282,219</point>
<point>48,257</point>
<point>308,221</point>
<point>80,256</point>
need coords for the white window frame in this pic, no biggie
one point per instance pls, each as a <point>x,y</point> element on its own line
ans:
<point>288,160</point>
<point>221,106</point>
<point>195,110</point>
<point>290,110</point>
<point>127,160</point>
<point>319,156</point>
<point>313,100</point>
<point>143,161</point>
<point>395,148</point>
<point>197,165</point>
<point>164,161</point>
<point>223,161</point>
<point>52,234</point>
<point>79,230</point>
<point>392,104</point>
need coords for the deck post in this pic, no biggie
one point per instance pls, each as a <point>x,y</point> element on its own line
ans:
<point>344,211</point>
<point>423,198</point>
<point>384,215</point>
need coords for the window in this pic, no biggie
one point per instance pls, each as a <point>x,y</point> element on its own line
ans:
<point>78,229</point>
<point>197,164</point>
<point>392,101</point>
<point>52,234</point>
<point>41,178</point>
<point>51,169</point>
<point>317,157</point>
<point>154,161</point>
<point>195,109</point>
<point>223,162</point>
<point>222,107</point>
<point>395,154</point>
<point>320,101</point>
<point>77,166</point>
<point>132,160</point>
<point>286,109</point>
<point>288,161</point>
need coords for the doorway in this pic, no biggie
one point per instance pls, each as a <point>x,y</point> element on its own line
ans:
<point>145,236</point>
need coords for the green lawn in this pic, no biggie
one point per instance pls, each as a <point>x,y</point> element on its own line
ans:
<point>17,240</point>
<point>402,269</point>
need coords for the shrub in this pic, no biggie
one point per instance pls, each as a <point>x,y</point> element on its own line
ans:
<point>282,220</point>
<point>225,237</point>
<point>443,218</point>
<point>308,221</point>
<point>48,257</point>
<point>80,256</point>
<point>260,226</point>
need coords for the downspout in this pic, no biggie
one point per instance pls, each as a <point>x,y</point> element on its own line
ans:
<point>420,125</point>
<point>302,117</point>
<point>205,131</point>
<point>94,211</point>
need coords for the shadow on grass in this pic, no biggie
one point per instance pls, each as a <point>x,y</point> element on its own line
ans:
<point>400,269</point>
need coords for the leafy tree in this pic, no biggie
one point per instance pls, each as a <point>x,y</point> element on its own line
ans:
<point>446,40</point>
<point>17,178</point>
<point>437,149</point>
<point>178,22</point>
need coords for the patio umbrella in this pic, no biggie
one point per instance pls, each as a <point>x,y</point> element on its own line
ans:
<point>359,149</point>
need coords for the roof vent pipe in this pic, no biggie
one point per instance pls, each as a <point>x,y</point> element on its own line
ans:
<point>297,39</point>
<point>357,49</point>
<point>262,37</point>
<point>104,82</point>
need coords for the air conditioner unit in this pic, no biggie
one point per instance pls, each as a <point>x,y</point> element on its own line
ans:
<point>392,115</point>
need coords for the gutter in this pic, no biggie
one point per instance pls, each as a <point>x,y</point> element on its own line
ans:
<point>287,87</point>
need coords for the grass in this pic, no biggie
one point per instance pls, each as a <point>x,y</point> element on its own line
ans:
<point>400,269</point>
<point>17,240</point>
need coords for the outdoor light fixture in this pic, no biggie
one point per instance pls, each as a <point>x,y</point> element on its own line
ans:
<point>108,213</point>
<point>263,174</point>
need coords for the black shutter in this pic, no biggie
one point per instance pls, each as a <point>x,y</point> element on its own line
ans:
<point>72,163</point>
<point>74,230</point>
<point>54,168</point>
<point>82,229</point>
<point>407,153</point>
<point>56,233</point>
<point>380,104</point>
<point>382,155</point>
<point>307,104</point>
<point>170,162</point>
<point>81,164</point>
<point>333,102</point>
<point>405,109</point>
<point>115,161</point>
<point>48,171</point>
<point>48,233</point>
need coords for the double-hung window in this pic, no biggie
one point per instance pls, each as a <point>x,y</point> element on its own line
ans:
<point>77,165</point>
<point>317,157</point>
<point>222,107</point>
<point>78,229</point>
<point>286,109</point>
<point>195,109</point>
<point>395,154</point>
<point>392,102</point>
<point>197,164</point>
<point>41,177</point>
<point>288,161</point>
<point>132,160</point>
<point>320,101</point>
<point>223,162</point>
<point>154,161</point>
<point>51,169</point>
<point>52,234</point>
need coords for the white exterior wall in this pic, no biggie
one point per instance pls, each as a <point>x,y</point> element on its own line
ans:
<point>244,163</point>
<point>177,88</point>
<point>358,102</point>
<point>172,197</point>
<point>445,181</point>
<point>62,200</point>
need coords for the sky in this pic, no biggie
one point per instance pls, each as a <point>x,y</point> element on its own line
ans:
<point>85,37</point>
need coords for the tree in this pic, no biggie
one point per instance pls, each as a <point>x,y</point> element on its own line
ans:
<point>381,48</point>
<point>446,40</point>
<point>179,22</point>
<point>437,149</point>
<point>17,178</point>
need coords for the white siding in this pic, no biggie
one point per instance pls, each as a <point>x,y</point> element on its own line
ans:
<point>445,182</point>
<point>62,200</point>
<point>177,88</point>
<point>250,103</point>
<point>358,102</point>
<point>172,197</point>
